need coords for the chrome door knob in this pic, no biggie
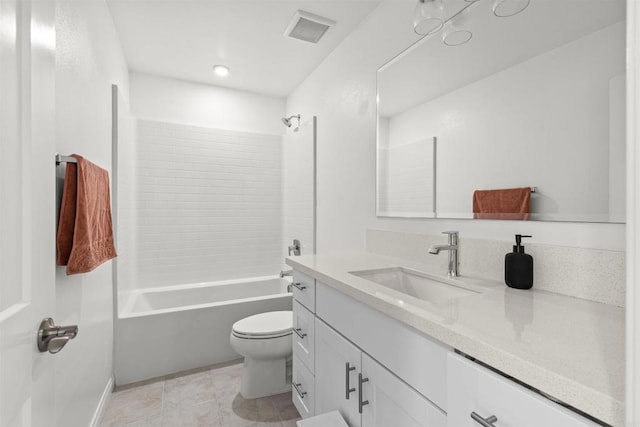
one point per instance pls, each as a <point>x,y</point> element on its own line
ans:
<point>53,338</point>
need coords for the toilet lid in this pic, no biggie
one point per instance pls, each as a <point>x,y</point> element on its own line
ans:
<point>274,323</point>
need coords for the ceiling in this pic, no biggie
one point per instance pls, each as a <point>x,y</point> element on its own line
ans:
<point>184,39</point>
<point>430,69</point>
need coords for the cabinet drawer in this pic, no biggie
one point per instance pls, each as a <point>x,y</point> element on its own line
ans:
<point>304,335</point>
<point>304,290</point>
<point>303,389</point>
<point>419,361</point>
<point>474,388</point>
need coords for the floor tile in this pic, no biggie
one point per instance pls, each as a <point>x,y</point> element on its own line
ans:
<point>134,404</point>
<point>193,388</point>
<point>205,414</point>
<point>285,407</point>
<point>197,398</point>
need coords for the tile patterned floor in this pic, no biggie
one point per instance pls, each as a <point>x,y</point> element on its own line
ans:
<point>202,398</point>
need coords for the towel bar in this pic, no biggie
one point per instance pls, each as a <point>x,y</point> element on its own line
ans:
<point>65,159</point>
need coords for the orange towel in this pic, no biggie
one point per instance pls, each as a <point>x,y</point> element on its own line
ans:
<point>510,203</point>
<point>85,234</point>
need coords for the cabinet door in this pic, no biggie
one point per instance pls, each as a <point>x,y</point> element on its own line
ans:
<point>337,367</point>
<point>391,402</point>
<point>475,389</point>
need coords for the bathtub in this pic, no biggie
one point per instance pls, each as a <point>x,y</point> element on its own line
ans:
<point>160,331</point>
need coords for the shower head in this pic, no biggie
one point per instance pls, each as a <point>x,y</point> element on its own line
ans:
<point>287,121</point>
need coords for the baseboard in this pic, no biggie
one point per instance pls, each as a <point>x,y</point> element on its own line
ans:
<point>102,405</point>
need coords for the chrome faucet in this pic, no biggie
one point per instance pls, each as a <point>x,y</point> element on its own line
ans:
<point>452,247</point>
<point>295,248</point>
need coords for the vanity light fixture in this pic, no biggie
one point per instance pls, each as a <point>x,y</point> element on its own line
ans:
<point>221,70</point>
<point>429,17</point>
<point>454,33</point>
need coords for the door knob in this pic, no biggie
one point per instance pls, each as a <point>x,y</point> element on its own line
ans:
<point>53,338</point>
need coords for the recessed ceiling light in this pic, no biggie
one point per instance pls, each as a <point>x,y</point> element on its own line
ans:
<point>221,70</point>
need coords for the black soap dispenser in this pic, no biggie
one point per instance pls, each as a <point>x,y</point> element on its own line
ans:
<point>518,267</point>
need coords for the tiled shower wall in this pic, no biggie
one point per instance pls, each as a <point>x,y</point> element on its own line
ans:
<point>209,204</point>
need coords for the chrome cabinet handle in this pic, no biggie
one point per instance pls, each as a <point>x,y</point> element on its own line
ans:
<point>484,422</point>
<point>360,402</point>
<point>299,332</point>
<point>299,286</point>
<point>348,390</point>
<point>297,386</point>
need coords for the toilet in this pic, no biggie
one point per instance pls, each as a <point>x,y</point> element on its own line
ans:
<point>265,342</point>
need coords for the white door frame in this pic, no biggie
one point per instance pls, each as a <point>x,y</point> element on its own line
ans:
<point>633,217</point>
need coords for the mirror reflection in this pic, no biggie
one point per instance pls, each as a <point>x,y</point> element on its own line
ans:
<point>536,99</point>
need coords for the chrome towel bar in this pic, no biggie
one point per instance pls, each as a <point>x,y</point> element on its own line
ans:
<point>65,159</point>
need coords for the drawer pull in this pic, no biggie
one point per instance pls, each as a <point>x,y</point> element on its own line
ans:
<point>298,386</point>
<point>299,286</point>
<point>348,390</point>
<point>360,402</point>
<point>299,332</point>
<point>484,422</point>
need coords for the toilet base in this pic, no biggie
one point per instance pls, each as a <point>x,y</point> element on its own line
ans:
<point>261,378</point>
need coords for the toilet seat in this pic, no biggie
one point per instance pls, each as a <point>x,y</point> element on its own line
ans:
<point>274,324</point>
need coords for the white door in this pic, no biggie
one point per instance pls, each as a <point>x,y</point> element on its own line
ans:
<point>337,369</point>
<point>391,402</point>
<point>27,209</point>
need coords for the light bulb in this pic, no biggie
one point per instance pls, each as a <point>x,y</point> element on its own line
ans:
<point>221,70</point>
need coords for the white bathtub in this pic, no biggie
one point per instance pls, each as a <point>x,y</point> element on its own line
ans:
<point>164,330</point>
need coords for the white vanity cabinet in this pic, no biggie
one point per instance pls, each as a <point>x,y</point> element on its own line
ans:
<point>479,397</point>
<point>365,393</point>
<point>303,375</point>
<point>378,371</point>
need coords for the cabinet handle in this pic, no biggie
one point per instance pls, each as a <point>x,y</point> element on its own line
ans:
<point>484,422</point>
<point>299,286</point>
<point>297,386</point>
<point>299,332</point>
<point>360,402</point>
<point>348,390</point>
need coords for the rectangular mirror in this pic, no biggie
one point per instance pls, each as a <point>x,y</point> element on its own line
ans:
<point>532,100</point>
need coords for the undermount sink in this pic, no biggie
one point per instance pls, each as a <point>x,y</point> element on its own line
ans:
<point>417,284</point>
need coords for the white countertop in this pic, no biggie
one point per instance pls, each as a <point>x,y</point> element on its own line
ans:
<point>569,348</point>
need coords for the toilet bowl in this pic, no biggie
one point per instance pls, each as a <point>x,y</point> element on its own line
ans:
<point>265,342</point>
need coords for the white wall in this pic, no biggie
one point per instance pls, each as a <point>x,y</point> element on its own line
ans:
<point>176,101</point>
<point>208,204</point>
<point>88,61</point>
<point>543,122</point>
<point>342,93</point>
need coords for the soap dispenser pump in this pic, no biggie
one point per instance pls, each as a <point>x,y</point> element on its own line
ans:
<point>518,267</point>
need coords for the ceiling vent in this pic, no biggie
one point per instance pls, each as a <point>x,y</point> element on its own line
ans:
<point>308,27</point>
